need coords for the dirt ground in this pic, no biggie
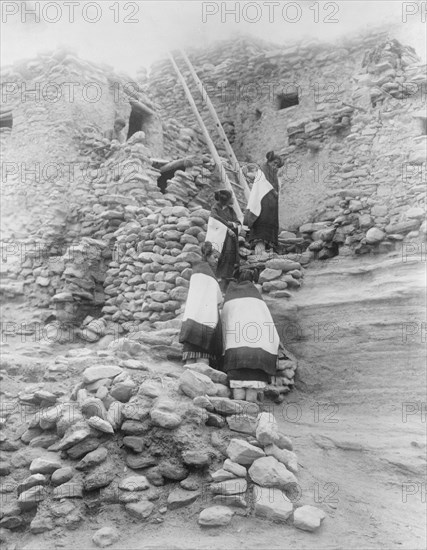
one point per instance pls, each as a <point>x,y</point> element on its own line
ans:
<point>360,460</point>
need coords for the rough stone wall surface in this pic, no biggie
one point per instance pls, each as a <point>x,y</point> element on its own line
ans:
<point>358,125</point>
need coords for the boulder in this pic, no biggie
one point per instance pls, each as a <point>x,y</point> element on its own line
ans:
<point>216,376</point>
<point>272,504</point>
<point>242,423</point>
<point>46,464</point>
<point>266,428</point>
<point>106,536</point>
<point>68,490</point>
<point>374,235</point>
<point>308,518</point>
<point>288,458</point>
<point>62,475</point>
<point>269,472</point>
<point>215,516</point>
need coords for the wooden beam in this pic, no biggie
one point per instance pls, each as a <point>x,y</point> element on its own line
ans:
<point>209,142</point>
<point>229,150</point>
<point>138,106</point>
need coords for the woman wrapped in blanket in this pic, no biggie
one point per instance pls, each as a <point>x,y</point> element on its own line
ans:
<point>201,327</point>
<point>262,215</point>
<point>223,233</point>
<point>251,342</point>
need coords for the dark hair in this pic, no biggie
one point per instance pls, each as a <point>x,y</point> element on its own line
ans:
<point>222,192</point>
<point>271,155</point>
<point>246,275</point>
<point>206,249</point>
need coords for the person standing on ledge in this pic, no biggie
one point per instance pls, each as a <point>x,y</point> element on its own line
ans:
<point>251,341</point>
<point>201,327</point>
<point>223,233</point>
<point>262,215</point>
<point>116,132</point>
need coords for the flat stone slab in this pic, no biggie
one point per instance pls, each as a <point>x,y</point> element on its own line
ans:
<point>178,498</point>
<point>243,453</point>
<point>92,374</point>
<point>237,469</point>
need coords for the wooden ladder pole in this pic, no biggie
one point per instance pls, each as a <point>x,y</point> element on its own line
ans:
<point>230,153</point>
<point>209,142</point>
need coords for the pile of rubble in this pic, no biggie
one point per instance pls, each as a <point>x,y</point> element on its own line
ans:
<point>150,440</point>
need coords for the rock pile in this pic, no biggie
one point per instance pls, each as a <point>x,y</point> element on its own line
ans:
<point>259,477</point>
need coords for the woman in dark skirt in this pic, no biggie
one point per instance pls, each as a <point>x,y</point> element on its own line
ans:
<point>201,327</point>
<point>262,216</point>
<point>251,342</point>
<point>223,233</point>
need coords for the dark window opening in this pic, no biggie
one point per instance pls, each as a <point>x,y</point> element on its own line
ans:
<point>137,121</point>
<point>162,181</point>
<point>167,171</point>
<point>6,119</point>
<point>287,100</point>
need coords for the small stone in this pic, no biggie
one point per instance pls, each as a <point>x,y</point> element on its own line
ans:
<point>234,468</point>
<point>134,483</point>
<point>92,374</point>
<point>308,518</point>
<point>140,510</point>
<point>100,477</point>
<point>242,452</point>
<point>30,498</point>
<point>242,423</point>
<point>230,500</point>
<point>92,459</point>
<point>74,435</point>
<point>137,444</point>
<point>195,458</point>
<point>194,384</point>
<point>272,504</point>
<point>269,472</point>
<point>82,448</point>
<point>267,428</point>
<point>230,487</point>
<point>374,235</point>
<point>222,475</point>
<point>106,536</point>
<point>100,424</point>
<point>178,498</point>
<point>46,464</point>
<point>32,481</point>
<point>215,516</point>
<point>216,376</point>
<point>41,524</point>
<point>269,275</point>
<point>173,469</point>
<point>62,476</point>
<point>288,458</point>
<point>4,468</point>
<point>139,461</point>
<point>68,490</point>
<point>283,442</point>
<point>165,419</point>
